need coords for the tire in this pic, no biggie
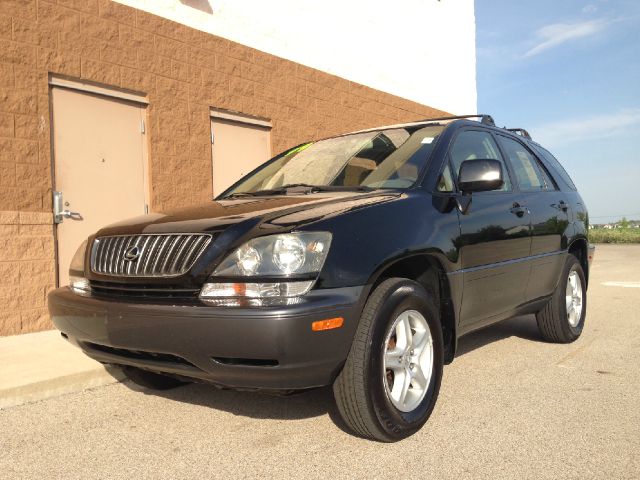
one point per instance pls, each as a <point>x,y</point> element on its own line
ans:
<point>363,390</point>
<point>154,381</point>
<point>554,321</point>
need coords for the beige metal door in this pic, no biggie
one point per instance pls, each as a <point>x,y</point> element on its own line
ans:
<point>99,155</point>
<point>238,147</point>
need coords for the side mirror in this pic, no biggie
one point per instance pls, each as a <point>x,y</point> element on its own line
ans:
<point>480,176</point>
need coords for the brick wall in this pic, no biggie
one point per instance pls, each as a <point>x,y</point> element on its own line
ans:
<point>183,72</point>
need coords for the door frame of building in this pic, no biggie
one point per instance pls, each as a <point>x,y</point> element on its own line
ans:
<point>237,117</point>
<point>106,92</point>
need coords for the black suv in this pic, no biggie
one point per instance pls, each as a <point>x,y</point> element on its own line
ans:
<point>356,261</point>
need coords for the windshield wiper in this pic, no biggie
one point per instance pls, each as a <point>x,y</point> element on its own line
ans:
<point>239,195</point>
<point>303,188</point>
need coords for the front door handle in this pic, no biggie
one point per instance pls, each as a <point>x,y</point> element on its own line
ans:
<point>518,209</point>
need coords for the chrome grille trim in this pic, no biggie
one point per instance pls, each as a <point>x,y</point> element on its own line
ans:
<point>161,255</point>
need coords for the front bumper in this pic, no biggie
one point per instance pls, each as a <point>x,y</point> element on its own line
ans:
<point>237,347</point>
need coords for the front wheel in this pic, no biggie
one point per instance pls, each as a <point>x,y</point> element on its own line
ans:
<point>562,319</point>
<point>391,379</point>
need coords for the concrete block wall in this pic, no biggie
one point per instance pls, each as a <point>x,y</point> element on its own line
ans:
<point>27,271</point>
<point>183,72</point>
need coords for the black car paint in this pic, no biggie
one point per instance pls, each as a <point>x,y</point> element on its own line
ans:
<point>501,257</point>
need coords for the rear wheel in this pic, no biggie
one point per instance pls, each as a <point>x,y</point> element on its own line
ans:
<point>391,379</point>
<point>154,381</point>
<point>562,319</point>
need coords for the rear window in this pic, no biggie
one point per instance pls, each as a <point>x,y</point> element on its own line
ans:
<point>554,164</point>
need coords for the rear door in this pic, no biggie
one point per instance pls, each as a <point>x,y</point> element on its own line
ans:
<point>549,216</point>
<point>495,239</point>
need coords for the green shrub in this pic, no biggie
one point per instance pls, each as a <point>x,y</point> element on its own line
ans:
<point>618,235</point>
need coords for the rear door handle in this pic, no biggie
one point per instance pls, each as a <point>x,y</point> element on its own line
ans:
<point>561,205</point>
<point>518,209</point>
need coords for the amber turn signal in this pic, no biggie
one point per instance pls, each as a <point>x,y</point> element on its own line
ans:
<point>328,324</point>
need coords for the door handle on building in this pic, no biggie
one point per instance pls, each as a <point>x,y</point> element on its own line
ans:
<point>60,213</point>
<point>71,215</point>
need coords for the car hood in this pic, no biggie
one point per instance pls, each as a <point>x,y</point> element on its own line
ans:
<point>273,213</point>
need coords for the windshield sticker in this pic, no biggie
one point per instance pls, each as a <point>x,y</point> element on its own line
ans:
<point>299,149</point>
<point>427,139</point>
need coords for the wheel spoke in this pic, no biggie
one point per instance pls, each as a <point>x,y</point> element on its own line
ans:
<point>403,333</point>
<point>419,380</point>
<point>407,331</point>
<point>420,340</point>
<point>392,359</point>
<point>406,383</point>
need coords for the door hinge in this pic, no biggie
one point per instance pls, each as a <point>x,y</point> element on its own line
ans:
<point>142,129</point>
<point>212,138</point>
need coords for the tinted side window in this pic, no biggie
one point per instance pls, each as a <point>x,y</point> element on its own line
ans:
<point>477,145</point>
<point>555,164</point>
<point>551,184</point>
<point>524,165</point>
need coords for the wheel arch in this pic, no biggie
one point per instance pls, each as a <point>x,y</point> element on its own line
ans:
<point>426,269</point>
<point>579,248</point>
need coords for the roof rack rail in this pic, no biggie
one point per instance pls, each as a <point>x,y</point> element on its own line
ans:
<point>520,131</point>
<point>484,118</point>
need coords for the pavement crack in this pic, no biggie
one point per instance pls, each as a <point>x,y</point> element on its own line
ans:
<point>575,352</point>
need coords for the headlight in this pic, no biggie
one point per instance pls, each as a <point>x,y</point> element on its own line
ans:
<point>277,255</point>
<point>296,258</point>
<point>77,281</point>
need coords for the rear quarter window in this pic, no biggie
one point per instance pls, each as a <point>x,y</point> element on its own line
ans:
<point>555,165</point>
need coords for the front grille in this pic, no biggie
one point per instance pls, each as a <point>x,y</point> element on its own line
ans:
<point>147,255</point>
<point>108,289</point>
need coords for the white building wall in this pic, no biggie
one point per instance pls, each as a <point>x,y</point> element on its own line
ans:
<point>422,50</point>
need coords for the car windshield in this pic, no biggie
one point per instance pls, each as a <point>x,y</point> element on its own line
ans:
<point>390,158</point>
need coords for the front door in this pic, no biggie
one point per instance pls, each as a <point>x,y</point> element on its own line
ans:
<point>495,239</point>
<point>239,146</point>
<point>98,147</point>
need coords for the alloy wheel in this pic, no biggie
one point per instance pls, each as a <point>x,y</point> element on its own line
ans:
<point>408,360</point>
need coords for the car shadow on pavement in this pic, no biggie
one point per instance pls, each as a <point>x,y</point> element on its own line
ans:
<point>304,404</point>
<point>319,401</point>
<point>300,405</point>
<point>524,327</point>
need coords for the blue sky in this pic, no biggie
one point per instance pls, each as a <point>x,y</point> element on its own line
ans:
<point>569,72</point>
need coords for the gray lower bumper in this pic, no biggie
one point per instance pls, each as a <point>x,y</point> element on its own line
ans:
<point>253,347</point>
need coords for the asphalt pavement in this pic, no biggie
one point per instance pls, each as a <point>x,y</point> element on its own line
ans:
<point>511,406</point>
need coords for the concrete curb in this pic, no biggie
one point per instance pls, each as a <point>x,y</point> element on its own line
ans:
<point>42,365</point>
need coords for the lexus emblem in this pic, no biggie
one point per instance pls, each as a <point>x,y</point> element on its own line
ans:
<point>132,253</point>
